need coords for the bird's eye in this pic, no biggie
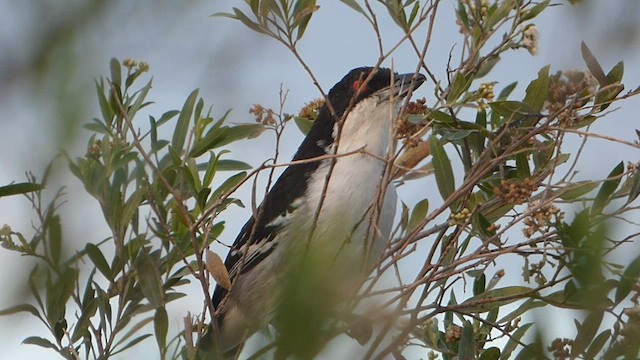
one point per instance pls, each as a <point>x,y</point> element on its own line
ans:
<point>358,86</point>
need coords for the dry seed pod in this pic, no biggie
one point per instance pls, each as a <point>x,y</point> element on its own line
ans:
<point>216,268</point>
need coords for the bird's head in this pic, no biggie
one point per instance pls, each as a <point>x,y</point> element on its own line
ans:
<point>380,84</point>
<point>361,102</point>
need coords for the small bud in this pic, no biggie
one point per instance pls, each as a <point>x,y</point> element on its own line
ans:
<point>5,230</point>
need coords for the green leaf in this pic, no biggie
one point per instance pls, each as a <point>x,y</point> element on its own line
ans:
<point>232,165</point>
<point>131,343</point>
<point>605,95</point>
<point>507,91</point>
<point>615,75</point>
<point>202,197</point>
<point>418,214</point>
<point>492,353</point>
<point>82,324</point>
<point>97,126</point>
<point>55,238</point>
<point>527,306</point>
<point>242,131</point>
<point>635,188</point>
<point>460,84</point>
<point>586,332</point>
<point>303,124</point>
<point>42,342</point>
<point>139,103</point>
<point>537,91</point>
<point>227,185</point>
<point>105,107</point>
<point>33,286</point>
<point>597,344</point>
<point>131,207</point>
<point>19,188</point>
<point>522,166</point>
<point>302,13</point>
<point>511,110</point>
<point>98,260</point>
<point>209,141</point>
<point>20,308</point>
<point>441,117</point>
<point>534,11</point>
<point>59,329</point>
<point>501,12</point>
<point>462,15</point>
<point>495,298</point>
<point>148,276</point>
<point>514,341</point>
<point>628,279</point>
<point>442,168</point>
<point>116,72</point>
<point>166,117</point>
<point>487,65</point>
<point>593,65</point>
<point>59,294</point>
<point>239,15</point>
<point>608,187</point>
<point>467,344</point>
<point>182,125</point>
<point>479,284</point>
<point>355,6</point>
<point>160,327</point>
<point>575,190</point>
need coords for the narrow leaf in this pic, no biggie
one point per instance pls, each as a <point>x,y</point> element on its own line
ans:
<point>182,126</point>
<point>511,110</point>
<point>507,91</point>
<point>492,353</point>
<point>593,65</point>
<point>442,168</point>
<point>55,238</point>
<point>597,344</point>
<point>160,327</point>
<point>148,276</point>
<point>537,91</point>
<point>467,345</point>
<point>498,298</point>
<point>607,188</point>
<point>534,11</point>
<point>628,279</point>
<point>460,84</point>
<point>615,75</point>
<point>116,73</point>
<point>586,332</point>
<point>514,341</point>
<point>19,188</point>
<point>36,340</point>
<point>20,308</point>
<point>98,260</point>
<point>303,124</point>
<point>418,214</point>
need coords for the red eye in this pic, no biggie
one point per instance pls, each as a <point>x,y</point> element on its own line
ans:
<point>358,86</point>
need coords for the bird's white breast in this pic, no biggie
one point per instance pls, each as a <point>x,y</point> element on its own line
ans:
<point>349,200</point>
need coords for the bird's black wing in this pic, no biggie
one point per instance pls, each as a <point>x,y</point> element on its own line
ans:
<point>256,239</point>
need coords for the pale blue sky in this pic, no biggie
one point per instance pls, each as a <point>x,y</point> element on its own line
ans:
<point>234,68</point>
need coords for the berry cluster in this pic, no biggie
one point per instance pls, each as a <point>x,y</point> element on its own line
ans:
<point>515,193</point>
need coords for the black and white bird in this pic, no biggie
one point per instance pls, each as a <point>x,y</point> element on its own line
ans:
<point>354,220</point>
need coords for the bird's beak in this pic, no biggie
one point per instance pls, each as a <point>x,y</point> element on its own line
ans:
<point>401,86</point>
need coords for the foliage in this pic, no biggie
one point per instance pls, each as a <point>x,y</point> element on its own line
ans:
<point>507,189</point>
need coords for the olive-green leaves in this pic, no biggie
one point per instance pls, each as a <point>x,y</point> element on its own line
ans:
<point>278,19</point>
<point>442,168</point>
<point>19,188</point>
